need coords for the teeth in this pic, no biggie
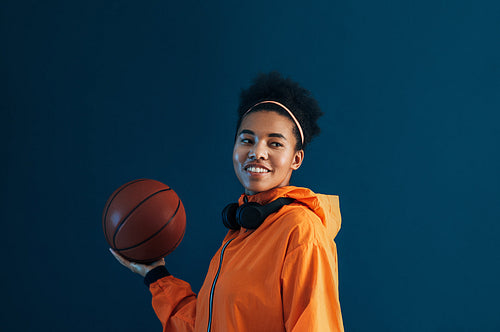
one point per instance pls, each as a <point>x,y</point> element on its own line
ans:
<point>257,169</point>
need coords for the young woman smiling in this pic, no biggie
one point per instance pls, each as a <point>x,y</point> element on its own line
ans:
<point>277,267</point>
<point>264,154</point>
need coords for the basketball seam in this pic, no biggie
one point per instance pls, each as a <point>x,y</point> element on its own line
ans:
<point>147,261</point>
<point>111,201</point>
<point>157,232</point>
<point>128,215</point>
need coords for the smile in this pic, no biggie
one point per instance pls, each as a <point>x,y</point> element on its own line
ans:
<point>254,169</point>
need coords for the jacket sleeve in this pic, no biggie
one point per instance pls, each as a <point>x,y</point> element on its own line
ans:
<point>174,303</point>
<point>310,289</point>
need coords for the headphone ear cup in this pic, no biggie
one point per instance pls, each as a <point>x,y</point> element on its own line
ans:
<point>249,215</point>
<point>229,216</point>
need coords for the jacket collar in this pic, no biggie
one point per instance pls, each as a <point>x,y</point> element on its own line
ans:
<point>270,195</point>
<point>326,207</point>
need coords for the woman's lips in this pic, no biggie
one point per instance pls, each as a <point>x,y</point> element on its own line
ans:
<point>256,170</point>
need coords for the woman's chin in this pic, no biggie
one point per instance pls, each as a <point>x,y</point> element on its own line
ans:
<point>252,190</point>
<point>255,188</point>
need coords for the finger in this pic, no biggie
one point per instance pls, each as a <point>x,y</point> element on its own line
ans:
<point>139,268</point>
<point>133,266</point>
<point>120,259</point>
<point>159,262</point>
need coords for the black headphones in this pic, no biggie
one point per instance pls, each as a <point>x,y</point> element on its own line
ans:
<point>251,214</point>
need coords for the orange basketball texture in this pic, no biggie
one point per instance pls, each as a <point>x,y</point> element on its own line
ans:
<point>144,220</point>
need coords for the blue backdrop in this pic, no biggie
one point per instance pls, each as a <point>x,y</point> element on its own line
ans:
<point>98,93</point>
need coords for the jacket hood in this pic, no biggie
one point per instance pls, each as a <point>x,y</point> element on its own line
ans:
<point>326,207</point>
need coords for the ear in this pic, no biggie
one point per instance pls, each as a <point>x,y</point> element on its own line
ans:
<point>297,159</point>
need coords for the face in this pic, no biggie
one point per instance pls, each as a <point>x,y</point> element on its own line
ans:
<point>264,155</point>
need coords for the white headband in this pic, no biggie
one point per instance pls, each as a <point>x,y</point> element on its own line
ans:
<point>286,109</point>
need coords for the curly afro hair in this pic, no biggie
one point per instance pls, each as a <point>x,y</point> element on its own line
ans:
<point>273,86</point>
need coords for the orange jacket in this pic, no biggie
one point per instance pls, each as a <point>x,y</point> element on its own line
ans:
<point>280,277</point>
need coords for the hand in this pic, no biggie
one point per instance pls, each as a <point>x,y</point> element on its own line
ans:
<point>138,268</point>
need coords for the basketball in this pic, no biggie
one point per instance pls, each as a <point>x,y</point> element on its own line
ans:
<point>144,220</point>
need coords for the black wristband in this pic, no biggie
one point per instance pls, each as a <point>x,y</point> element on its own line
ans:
<point>156,274</point>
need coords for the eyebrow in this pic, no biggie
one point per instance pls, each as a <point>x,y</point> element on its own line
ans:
<point>278,135</point>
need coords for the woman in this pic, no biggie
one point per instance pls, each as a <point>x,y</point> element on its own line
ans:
<point>278,271</point>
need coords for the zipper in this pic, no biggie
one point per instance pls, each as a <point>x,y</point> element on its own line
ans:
<point>213,286</point>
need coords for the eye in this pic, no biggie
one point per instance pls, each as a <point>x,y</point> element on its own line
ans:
<point>276,144</point>
<point>246,141</point>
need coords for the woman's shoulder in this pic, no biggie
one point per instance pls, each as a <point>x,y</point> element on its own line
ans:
<point>302,226</point>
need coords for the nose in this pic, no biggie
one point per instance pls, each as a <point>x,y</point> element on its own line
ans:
<point>259,151</point>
